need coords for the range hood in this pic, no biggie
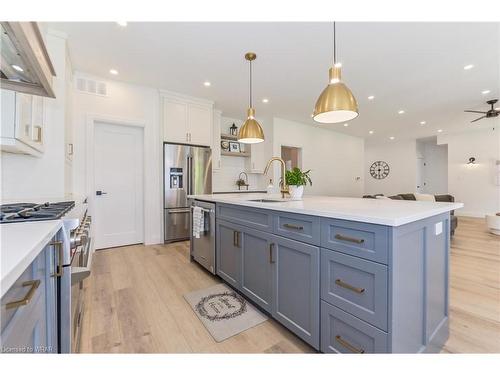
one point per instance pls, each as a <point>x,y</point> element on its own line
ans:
<point>25,65</point>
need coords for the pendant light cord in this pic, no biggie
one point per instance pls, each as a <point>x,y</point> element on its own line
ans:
<point>334,44</point>
<point>250,83</point>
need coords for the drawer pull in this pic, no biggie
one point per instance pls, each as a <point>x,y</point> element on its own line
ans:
<point>236,238</point>
<point>349,286</point>
<point>33,284</point>
<point>349,239</point>
<point>347,345</point>
<point>293,226</point>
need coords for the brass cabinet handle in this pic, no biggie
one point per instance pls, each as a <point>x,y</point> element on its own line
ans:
<point>349,346</point>
<point>60,269</point>
<point>349,286</point>
<point>293,226</point>
<point>236,238</point>
<point>33,284</point>
<point>350,239</point>
<point>271,248</point>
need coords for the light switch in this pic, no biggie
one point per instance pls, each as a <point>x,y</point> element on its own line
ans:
<point>439,228</point>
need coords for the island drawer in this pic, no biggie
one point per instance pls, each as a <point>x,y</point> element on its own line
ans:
<point>355,285</point>
<point>298,227</point>
<point>251,217</point>
<point>368,241</point>
<point>343,333</point>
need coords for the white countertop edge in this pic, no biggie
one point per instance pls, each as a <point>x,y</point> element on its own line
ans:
<point>9,276</point>
<point>336,215</point>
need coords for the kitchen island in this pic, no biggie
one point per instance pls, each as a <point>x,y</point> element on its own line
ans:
<point>347,275</point>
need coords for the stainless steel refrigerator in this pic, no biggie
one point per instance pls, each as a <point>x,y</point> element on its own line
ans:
<point>186,170</point>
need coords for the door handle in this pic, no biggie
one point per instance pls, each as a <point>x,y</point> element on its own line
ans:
<point>100,192</point>
<point>271,257</point>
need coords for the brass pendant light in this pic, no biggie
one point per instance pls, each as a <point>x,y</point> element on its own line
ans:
<point>251,131</point>
<point>336,103</point>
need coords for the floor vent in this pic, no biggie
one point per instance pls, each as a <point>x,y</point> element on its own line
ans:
<point>90,86</point>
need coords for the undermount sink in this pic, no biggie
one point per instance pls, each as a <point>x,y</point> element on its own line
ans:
<point>265,200</point>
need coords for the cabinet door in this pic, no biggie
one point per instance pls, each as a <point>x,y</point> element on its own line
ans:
<point>37,123</point>
<point>257,158</point>
<point>228,252</point>
<point>257,268</point>
<point>200,124</point>
<point>24,117</point>
<point>216,158</point>
<point>8,113</point>
<point>296,288</point>
<point>175,121</point>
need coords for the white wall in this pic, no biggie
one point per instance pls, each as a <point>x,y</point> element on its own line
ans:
<point>225,178</point>
<point>130,103</point>
<point>474,185</point>
<point>402,159</point>
<point>29,178</point>
<point>335,159</point>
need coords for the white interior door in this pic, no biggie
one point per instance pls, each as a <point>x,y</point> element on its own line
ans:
<point>420,188</point>
<point>118,182</point>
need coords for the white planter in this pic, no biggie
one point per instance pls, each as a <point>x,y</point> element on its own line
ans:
<point>296,191</point>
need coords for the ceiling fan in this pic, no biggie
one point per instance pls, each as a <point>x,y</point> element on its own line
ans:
<point>490,113</point>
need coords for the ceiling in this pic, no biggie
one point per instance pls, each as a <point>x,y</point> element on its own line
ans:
<point>415,67</point>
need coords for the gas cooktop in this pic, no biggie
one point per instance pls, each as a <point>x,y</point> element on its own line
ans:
<point>21,212</point>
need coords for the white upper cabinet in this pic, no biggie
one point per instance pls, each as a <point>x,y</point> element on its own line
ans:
<point>257,160</point>
<point>187,120</point>
<point>22,123</point>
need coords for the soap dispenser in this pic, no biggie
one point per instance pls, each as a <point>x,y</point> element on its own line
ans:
<point>270,187</point>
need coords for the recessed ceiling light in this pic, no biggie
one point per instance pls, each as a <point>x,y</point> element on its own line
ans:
<point>113,71</point>
<point>401,111</point>
<point>17,67</point>
<point>207,84</point>
<point>371,97</point>
<point>122,23</point>
<point>484,92</point>
<point>346,125</point>
<point>392,138</point>
<point>467,67</point>
<point>440,130</point>
<point>265,100</point>
<point>371,132</point>
<point>422,123</point>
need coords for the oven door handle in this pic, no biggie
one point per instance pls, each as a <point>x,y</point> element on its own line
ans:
<point>80,273</point>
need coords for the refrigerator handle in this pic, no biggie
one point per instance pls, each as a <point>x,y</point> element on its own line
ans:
<point>189,175</point>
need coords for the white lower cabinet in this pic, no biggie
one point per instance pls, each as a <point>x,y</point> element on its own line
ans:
<point>22,123</point>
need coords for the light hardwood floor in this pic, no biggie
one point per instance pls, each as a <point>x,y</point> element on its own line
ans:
<point>135,304</point>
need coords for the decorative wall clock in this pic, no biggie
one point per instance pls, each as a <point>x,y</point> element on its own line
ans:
<point>379,170</point>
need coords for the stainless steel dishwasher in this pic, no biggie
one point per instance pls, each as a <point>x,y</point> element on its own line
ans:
<point>203,249</point>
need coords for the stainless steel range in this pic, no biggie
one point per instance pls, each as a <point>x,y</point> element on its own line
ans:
<point>75,256</point>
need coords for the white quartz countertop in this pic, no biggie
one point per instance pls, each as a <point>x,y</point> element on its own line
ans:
<point>377,211</point>
<point>20,245</point>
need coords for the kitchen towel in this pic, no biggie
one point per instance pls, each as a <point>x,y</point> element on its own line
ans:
<point>198,221</point>
<point>223,312</point>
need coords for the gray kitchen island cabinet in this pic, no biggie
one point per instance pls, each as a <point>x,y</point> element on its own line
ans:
<point>342,286</point>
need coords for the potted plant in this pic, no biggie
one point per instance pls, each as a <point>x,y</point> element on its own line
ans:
<point>296,179</point>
